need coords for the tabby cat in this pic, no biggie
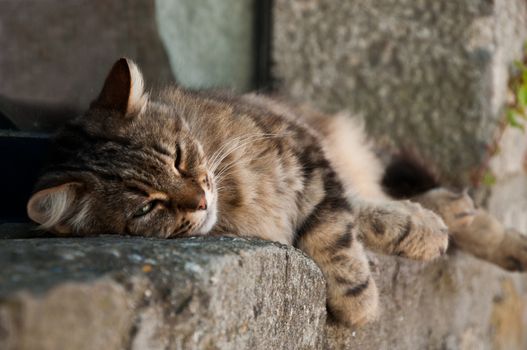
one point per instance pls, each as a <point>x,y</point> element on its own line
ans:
<point>180,163</point>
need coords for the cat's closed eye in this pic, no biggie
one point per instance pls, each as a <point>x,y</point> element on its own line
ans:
<point>177,161</point>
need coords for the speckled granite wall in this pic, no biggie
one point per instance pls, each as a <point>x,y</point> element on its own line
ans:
<point>429,75</point>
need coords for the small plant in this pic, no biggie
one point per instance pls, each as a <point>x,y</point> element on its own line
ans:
<point>515,116</point>
<point>489,179</point>
<point>516,112</point>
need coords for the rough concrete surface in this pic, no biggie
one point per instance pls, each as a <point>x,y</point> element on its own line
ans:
<point>455,303</point>
<point>116,293</point>
<point>429,75</point>
<point>508,196</point>
<point>225,293</point>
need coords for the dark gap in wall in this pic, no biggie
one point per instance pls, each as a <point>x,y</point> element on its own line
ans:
<point>25,127</point>
<point>22,158</point>
<point>263,44</point>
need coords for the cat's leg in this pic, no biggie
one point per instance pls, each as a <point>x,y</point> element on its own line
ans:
<point>329,238</point>
<point>402,228</point>
<point>390,227</point>
<point>477,231</point>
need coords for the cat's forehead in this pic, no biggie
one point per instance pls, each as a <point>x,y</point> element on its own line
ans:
<point>136,152</point>
<point>154,119</point>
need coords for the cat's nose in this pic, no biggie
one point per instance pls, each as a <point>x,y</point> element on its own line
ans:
<point>191,199</point>
<point>202,205</point>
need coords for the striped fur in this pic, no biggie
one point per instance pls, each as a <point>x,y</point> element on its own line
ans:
<point>179,162</point>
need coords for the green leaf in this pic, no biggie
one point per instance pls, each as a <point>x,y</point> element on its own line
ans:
<point>489,179</point>
<point>512,120</point>
<point>522,68</point>
<point>522,95</point>
<point>520,112</point>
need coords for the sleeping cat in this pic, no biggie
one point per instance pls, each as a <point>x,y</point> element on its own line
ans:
<point>180,163</point>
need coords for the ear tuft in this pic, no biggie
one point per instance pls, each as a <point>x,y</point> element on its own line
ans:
<point>123,89</point>
<point>51,206</point>
<point>137,99</point>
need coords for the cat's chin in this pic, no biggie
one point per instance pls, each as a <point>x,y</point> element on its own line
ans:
<point>209,222</point>
<point>211,215</point>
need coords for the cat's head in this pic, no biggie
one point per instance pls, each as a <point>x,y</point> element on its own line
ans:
<point>128,166</point>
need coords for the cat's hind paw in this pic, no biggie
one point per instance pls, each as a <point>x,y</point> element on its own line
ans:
<point>455,208</point>
<point>512,252</point>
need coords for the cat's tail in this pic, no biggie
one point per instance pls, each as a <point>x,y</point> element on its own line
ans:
<point>407,176</point>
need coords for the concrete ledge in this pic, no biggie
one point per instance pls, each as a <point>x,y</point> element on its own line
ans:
<point>232,293</point>
<point>114,293</point>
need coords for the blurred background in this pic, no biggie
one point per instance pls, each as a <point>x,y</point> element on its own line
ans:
<point>55,54</point>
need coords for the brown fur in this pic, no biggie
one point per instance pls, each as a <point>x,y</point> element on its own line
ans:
<point>181,163</point>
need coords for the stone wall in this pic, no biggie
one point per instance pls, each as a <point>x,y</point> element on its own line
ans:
<point>209,42</point>
<point>427,75</point>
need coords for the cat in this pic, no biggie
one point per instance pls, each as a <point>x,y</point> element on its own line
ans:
<point>184,163</point>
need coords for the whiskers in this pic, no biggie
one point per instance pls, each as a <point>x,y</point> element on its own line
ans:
<point>188,226</point>
<point>182,229</point>
<point>220,169</point>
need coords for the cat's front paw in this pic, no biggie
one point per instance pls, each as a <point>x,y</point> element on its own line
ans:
<point>422,234</point>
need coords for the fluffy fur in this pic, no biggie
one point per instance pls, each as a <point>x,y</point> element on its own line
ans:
<point>181,163</point>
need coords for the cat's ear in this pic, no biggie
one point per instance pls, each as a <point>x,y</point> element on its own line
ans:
<point>123,89</point>
<point>51,207</point>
